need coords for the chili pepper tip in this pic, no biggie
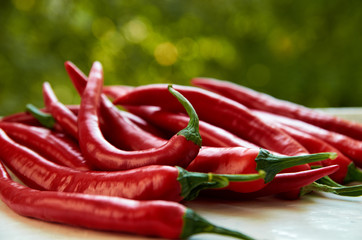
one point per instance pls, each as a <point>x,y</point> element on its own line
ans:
<point>45,119</point>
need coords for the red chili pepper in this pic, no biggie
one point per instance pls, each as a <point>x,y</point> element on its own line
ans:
<point>315,145</point>
<point>172,123</point>
<point>237,160</point>
<point>264,102</point>
<point>350,147</point>
<point>295,182</point>
<point>114,123</point>
<point>21,117</point>
<point>63,115</point>
<point>219,111</point>
<point>180,150</point>
<point>145,183</point>
<point>57,148</point>
<point>111,91</point>
<point>151,218</point>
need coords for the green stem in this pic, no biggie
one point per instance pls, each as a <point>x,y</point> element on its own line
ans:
<point>194,224</point>
<point>353,174</point>
<point>45,119</point>
<point>273,164</point>
<point>326,184</point>
<point>191,131</point>
<point>193,182</point>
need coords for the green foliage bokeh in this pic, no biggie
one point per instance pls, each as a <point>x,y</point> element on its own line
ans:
<point>308,52</point>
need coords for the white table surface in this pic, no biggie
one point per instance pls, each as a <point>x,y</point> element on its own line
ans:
<point>316,216</point>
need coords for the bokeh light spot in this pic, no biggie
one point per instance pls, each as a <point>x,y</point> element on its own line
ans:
<point>135,31</point>
<point>166,54</point>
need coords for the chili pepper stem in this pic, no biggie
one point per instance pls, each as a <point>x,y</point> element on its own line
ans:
<point>353,174</point>
<point>193,182</point>
<point>350,191</point>
<point>273,164</point>
<point>194,224</point>
<point>45,119</point>
<point>191,132</point>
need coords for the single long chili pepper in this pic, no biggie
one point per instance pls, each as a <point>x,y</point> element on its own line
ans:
<point>29,119</point>
<point>350,147</point>
<point>236,160</point>
<point>171,122</point>
<point>63,115</point>
<point>283,182</point>
<point>345,174</point>
<point>180,150</point>
<point>219,111</point>
<point>146,183</point>
<point>57,148</point>
<point>261,101</point>
<point>112,120</point>
<point>151,218</point>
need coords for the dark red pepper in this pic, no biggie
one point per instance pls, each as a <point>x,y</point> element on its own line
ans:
<point>261,101</point>
<point>172,123</point>
<point>151,218</point>
<point>219,111</point>
<point>350,147</point>
<point>180,150</point>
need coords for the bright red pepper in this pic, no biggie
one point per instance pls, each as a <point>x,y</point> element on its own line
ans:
<point>151,218</point>
<point>261,101</point>
<point>56,147</point>
<point>63,115</point>
<point>282,183</point>
<point>146,183</point>
<point>180,150</point>
<point>114,123</point>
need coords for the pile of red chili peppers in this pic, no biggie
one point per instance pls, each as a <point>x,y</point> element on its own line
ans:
<point>129,169</point>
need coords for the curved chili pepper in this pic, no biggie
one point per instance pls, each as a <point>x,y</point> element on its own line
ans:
<point>151,218</point>
<point>282,183</point>
<point>63,115</point>
<point>350,147</point>
<point>113,121</point>
<point>171,122</point>
<point>179,150</point>
<point>315,145</point>
<point>261,101</point>
<point>219,111</point>
<point>145,183</point>
<point>57,148</point>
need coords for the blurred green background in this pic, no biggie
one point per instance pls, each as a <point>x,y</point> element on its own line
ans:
<point>308,52</point>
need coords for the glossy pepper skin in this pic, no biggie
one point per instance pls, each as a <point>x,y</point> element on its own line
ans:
<point>285,183</point>
<point>348,146</point>
<point>261,101</point>
<point>150,218</point>
<point>172,122</point>
<point>112,120</point>
<point>219,111</point>
<point>144,183</point>
<point>63,115</point>
<point>314,145</point>
<point>179,150</point>
<point>54,146</point>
